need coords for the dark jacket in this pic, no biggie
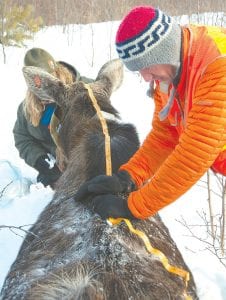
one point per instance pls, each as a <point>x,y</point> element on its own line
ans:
<point>33,142</point>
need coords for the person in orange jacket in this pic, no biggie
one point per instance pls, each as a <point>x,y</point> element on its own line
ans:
<point>187,66</point>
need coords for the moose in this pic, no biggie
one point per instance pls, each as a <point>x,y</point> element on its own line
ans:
<point>70,252</point>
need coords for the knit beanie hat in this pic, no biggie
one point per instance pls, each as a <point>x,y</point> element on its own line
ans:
<point>146,36</point>
<point>38,57</point>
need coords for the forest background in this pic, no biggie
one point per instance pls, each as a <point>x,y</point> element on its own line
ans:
<point>63,12</point>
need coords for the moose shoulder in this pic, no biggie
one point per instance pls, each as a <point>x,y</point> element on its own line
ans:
<point>70,252</point>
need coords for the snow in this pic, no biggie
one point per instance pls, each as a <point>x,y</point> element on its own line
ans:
<point>87,47</point>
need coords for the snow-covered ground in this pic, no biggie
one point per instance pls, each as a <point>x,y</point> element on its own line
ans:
<point>87,47</point>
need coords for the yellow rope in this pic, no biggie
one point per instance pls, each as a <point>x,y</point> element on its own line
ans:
<point>105,131</point>
<point>180,272</point>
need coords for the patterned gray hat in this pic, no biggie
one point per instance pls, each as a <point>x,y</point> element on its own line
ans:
<point>146,36</point>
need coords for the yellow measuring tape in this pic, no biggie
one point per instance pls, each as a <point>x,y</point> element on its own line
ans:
<point>105,130</point>
<point>180,272</point>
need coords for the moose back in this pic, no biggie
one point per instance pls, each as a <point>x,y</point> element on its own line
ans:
<point>70,253</point>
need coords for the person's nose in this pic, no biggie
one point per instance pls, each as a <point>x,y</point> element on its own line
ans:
<point>148,77</point>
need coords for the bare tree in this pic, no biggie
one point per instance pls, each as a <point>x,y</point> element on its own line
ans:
<point>16,25</point>
<point>213,219</point>
<point>83,12</point>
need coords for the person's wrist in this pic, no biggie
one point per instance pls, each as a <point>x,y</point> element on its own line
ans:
<point>126,180</point>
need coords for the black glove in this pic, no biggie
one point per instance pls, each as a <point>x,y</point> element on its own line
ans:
<point>109,205</point>
<point>47,175</point>
<point>119,182</point>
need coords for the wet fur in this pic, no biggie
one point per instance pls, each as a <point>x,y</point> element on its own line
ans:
<point>71,253</point>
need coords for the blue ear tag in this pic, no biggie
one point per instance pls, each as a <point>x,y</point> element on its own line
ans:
<point>165,111</point>
<point>47,114</point>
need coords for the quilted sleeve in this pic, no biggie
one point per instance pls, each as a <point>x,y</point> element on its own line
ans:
<point>198,147</point>
<point>158,144</point>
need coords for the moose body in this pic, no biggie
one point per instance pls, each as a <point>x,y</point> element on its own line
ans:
<point>70,253</point>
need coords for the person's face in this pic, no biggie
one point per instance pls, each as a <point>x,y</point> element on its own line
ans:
<point>164,73</point>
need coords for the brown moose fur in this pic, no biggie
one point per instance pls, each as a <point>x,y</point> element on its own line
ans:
<point>70,252</point>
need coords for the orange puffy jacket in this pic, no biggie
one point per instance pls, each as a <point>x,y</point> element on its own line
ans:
<point>182,147</point>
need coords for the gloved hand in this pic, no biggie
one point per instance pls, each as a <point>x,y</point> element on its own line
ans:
<point>109,205</point>
<point>48,174</point>
<point>119,182</point>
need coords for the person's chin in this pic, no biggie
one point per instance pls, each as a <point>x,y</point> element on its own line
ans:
<point>166,80</point>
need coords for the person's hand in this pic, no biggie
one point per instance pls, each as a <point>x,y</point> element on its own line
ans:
<point>48,174</point>
<point>113,206</point>
<point>119,182</point>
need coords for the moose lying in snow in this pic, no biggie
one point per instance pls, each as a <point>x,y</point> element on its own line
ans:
<point>70,252</point>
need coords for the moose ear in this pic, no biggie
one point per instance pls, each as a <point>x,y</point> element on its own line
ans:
<point>44,85</point>
<point>111,74</point>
